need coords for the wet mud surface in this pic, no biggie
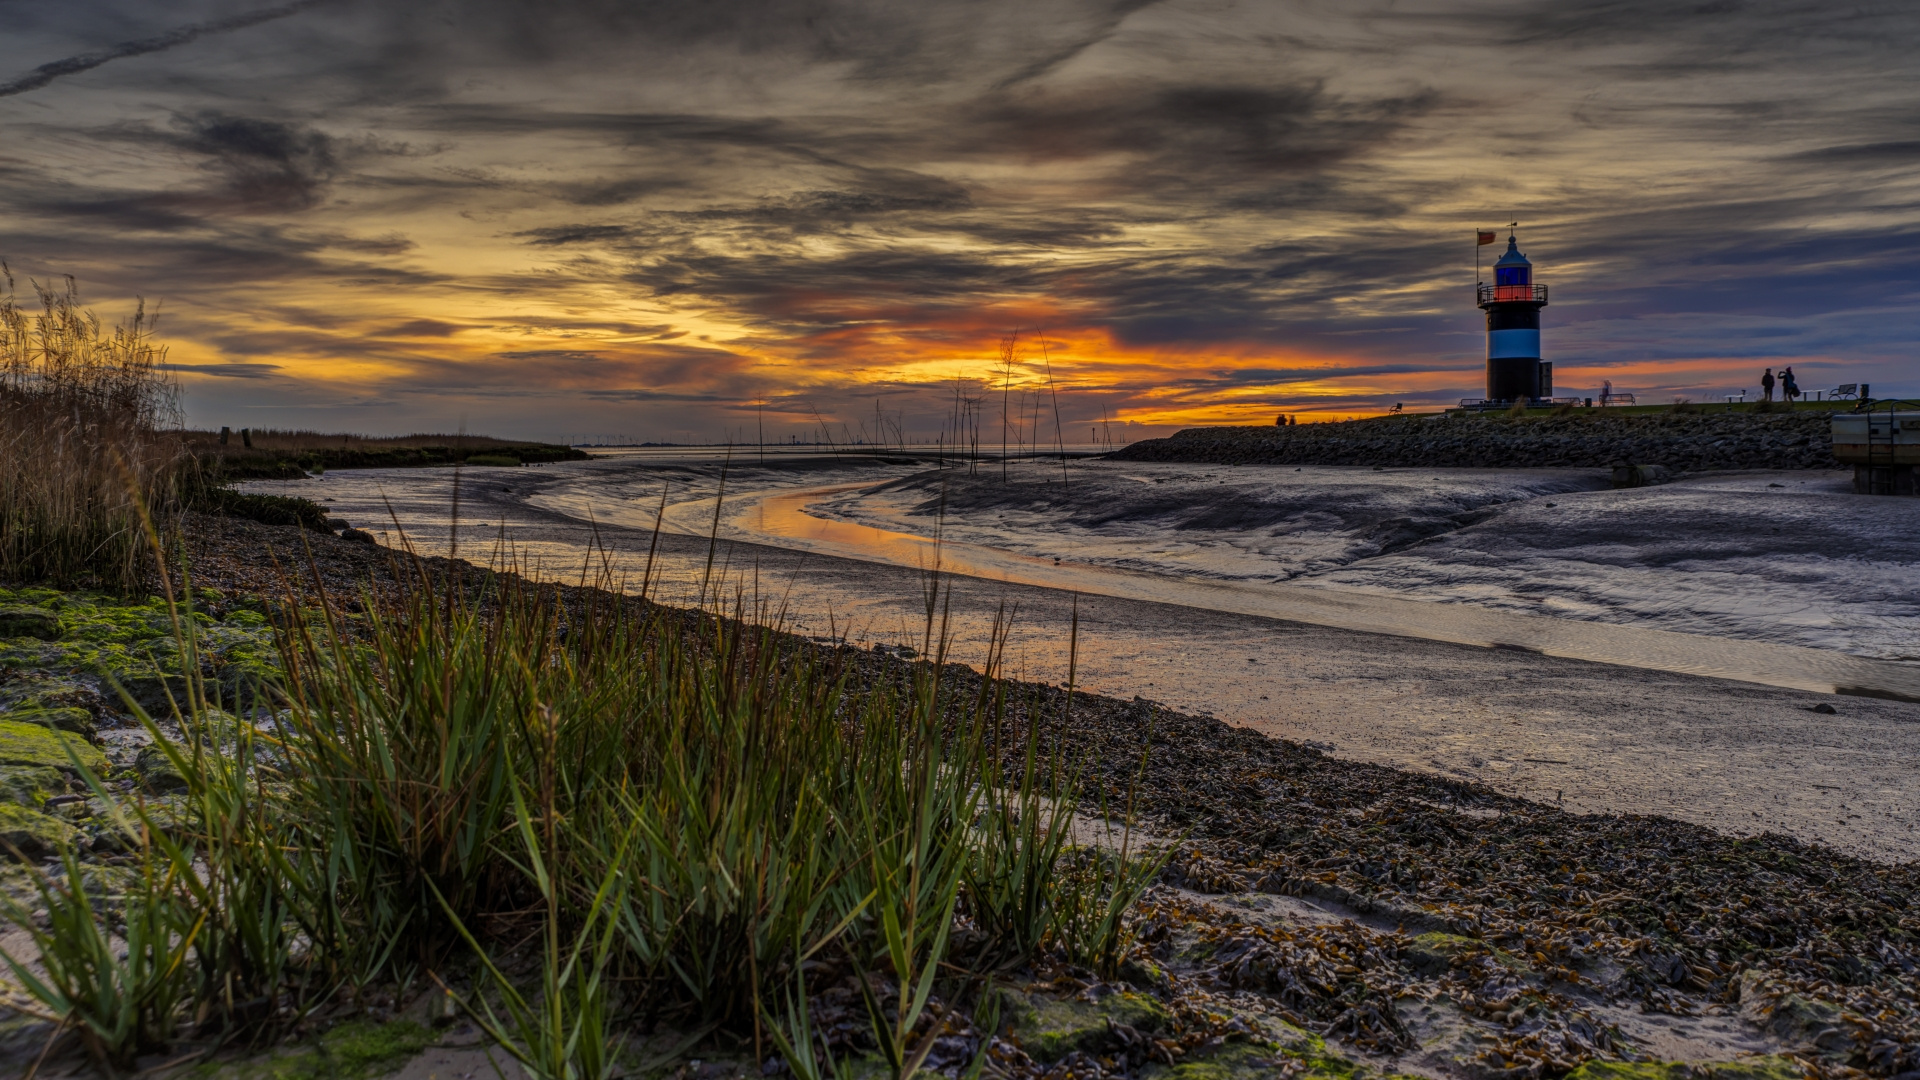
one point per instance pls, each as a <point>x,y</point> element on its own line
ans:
<point>1327,917</point>
<point>1589,737</point>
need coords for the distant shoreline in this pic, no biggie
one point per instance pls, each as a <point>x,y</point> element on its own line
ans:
<point>270,455</point>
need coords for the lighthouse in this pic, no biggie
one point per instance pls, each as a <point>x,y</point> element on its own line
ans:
<point>1515,371</point>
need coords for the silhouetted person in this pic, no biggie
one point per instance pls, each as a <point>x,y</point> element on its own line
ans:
<point>1766,385</point>
<point>1789,389</point>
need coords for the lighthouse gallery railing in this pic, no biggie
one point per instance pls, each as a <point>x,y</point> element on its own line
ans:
<point>1499,294</point>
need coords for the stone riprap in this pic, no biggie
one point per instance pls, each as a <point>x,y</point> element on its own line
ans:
<point>1683,442</point>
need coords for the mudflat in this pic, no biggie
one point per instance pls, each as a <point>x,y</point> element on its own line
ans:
<point>1738,757</point>
<point>1349,913</point>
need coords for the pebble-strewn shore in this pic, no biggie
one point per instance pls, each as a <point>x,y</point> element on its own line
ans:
<point>1319,919</point>
<point>1491,938</point>
<point>1682,442</point>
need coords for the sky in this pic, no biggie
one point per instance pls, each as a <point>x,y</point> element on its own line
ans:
<point>700,220</point>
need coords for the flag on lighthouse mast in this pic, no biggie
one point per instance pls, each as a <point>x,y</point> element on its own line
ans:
<point>1488,238</point>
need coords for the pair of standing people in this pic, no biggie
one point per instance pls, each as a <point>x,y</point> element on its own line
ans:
<point>1789,389</point>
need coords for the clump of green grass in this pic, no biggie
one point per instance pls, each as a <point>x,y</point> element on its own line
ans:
<point>117,974</point>
<point>688,815</point>
<point>266,509</point>
<point>84,443</point>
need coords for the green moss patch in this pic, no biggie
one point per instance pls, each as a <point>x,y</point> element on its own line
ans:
<point>1230,1062</point>
<point>29,785</point>
<point>133,643</point>
<point>1434,952</point>
<point>1321,1065</point>
<point>31,744</point>
<point>1050,1030</point>
<point>1768,1067</point>
<point>1799,1020</point>
<point>361,1050</point>
<point>18,621</point>
<point>157,772</point>
<point>66,718</point>
<point>33,834</point>
<point>1306,1056</point>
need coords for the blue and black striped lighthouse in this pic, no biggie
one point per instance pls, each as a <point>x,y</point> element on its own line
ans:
<point>1514,369</point>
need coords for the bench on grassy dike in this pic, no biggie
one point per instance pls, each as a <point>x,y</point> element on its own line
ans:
<point>1679,441</point>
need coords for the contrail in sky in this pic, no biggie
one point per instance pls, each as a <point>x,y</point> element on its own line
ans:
<point>73,65</point>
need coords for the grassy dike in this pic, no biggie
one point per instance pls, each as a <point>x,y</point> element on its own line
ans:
<point>290,455</point>
<point>427,810</point>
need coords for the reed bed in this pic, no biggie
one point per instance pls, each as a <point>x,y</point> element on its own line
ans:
<point>84,443</point>
<point>586,822</point>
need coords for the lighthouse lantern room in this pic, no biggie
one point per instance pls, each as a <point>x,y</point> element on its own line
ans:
<point>1515,371</point>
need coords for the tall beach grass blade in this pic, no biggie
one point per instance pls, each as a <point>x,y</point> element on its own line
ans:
<point>121,984</point>
<point>564,1033</point>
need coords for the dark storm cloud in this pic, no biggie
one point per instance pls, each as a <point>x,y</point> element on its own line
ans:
<point>571,356</point>
<point>575,327</point>
<point>612,192</point>
<point>1903,152</point>
<point>560,235</point>
<point>1235,295</point>
<point>246,164</point>
<point>421,328</point>
<point>184,35</point>
<point>566,178</point>
<point>366,245</point>
<point>727,396</point>
<point>1728,30</point>
<point>229,371</point>
<point>832,291</point>
<point>106,210</point>
<point>911,194</point>
<point>642,127</point>
<point>188,256</point>
<point>1066,229</point>
<point>1204,126</point>
<point>268,164</point>
<point>1213,382</point>
<point>882,41</point>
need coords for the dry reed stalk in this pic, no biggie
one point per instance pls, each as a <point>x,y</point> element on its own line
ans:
<point>85,419</point>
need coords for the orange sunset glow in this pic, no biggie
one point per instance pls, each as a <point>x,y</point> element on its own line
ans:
<point>704,223</point>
